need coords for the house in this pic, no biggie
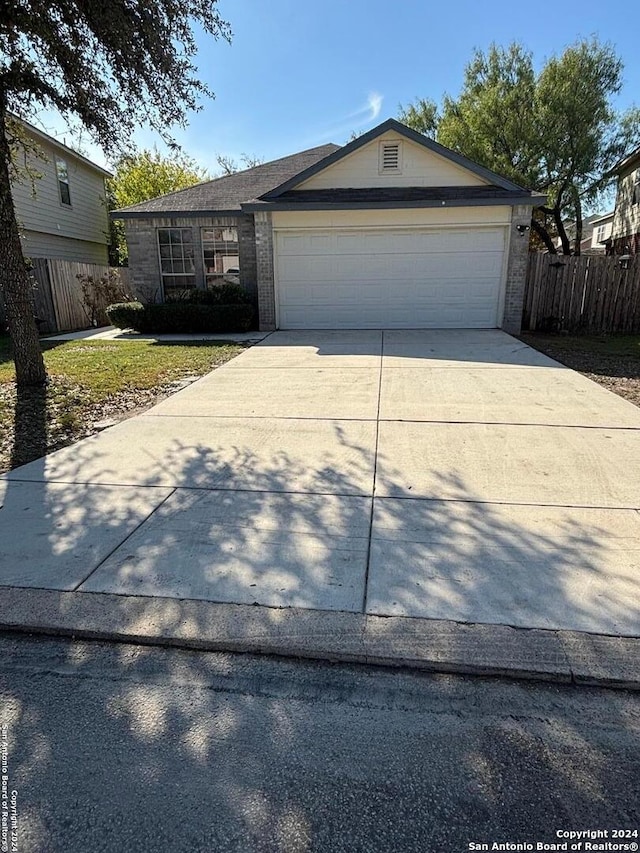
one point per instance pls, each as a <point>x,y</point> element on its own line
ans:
<point>625,233</point>
<point>596,229</point>
<point>601,233</point>
<point>60,201</point>
<point>389,231</point>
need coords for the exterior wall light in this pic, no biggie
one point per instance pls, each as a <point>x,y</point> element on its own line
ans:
<point>522,229</point>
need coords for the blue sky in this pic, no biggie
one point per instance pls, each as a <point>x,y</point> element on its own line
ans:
<point>299,74</point>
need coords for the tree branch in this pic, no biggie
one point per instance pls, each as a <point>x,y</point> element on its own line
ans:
<point>542,232</point>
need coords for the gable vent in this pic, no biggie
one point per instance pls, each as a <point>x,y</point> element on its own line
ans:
<point>390,157</point>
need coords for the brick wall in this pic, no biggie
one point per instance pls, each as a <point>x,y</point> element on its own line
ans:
<point>247,247</point>
<point>516,270</point>
<point>144,264</point>
<point>265,273</point>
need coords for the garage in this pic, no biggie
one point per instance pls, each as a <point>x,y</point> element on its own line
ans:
<point>391,230</point>
<point>359,278</point>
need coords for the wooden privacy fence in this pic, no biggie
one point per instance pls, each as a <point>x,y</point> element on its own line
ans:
<point>588,293</point>
<point>58,296</point>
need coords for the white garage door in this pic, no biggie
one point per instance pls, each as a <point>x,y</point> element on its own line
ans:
<point>389,278</point>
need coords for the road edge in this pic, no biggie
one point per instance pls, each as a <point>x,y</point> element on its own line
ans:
<point>568,657</point>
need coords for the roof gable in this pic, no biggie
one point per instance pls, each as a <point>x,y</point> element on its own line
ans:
<point>42,137</point>
<point>451,163</point>
<point>418,166</point>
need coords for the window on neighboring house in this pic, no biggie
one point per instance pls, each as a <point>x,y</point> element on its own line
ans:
<point>601,232</point>
<point>63,181</point>
<point>176,259</point>
<point>635,199</point>
<point>220,255</point>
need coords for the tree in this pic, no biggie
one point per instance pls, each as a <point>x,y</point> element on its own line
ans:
<point>421,116</point>
<point>230,166</point>
<point>111,65</point>
<point>143,175</point>
<point>555,131</point>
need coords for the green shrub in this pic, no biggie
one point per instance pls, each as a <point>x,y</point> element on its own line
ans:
<point>222,294</point>
<point>123,315</point>
<point>180,317</point>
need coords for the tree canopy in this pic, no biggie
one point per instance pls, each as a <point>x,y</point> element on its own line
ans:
<point>112,64</point>
<point>554,130</point>
<point>143,175</point>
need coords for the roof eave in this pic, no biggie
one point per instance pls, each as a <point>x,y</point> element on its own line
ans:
<point>525,199</point>
<point>51,140</point>
<point>171,214</point>
<point>627,163</point>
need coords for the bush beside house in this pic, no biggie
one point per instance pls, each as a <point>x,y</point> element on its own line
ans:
<point>223,309</point>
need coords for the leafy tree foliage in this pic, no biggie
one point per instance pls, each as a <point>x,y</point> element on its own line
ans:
<point>110,64</point>
<point>143,175</point>
<point>421,116</point>
<point>555,131</point>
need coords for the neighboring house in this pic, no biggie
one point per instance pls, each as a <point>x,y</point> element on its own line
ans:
<point>625,234</point>
<point>596,229</point>
<point>390,231</point>
<point>602,229</point>
<point>60,201</point>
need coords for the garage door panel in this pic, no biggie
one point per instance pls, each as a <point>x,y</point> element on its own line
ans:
<point>448,278</point>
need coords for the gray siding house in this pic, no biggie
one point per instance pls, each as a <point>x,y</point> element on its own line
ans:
<point>392,230</point>
<point>60,201</point>
<point>625,232</point>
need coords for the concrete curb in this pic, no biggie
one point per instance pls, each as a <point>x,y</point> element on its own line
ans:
<point>424,644</point>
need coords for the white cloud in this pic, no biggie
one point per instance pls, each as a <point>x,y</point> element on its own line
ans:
<point>352,122</point>
<point>371,110</point>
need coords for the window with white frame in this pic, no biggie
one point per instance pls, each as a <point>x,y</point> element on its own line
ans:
<point>635,199</point>
<point>176,259</point>
<point>62,173</point>
<point>220,255</point>
<point>601,233</point>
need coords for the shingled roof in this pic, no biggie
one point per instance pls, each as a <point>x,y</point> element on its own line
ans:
<point>226,194</point>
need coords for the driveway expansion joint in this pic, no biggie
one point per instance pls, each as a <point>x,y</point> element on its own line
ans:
<point>122,542</point>
<point>373,486</point>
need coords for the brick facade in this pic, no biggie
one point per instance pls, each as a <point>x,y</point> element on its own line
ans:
<point>517,260</point>
<point>247,249</point>
<point>265,271</point>
<point>144,263</point>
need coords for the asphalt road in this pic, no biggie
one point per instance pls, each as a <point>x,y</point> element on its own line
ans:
<point>123,748</point>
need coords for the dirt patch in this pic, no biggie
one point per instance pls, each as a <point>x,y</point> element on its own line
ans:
<point>44,421</point>
<point>619,371</point>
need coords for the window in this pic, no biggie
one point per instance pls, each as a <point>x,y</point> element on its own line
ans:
<point>220,255</point>
<point>176,259</point>
<point>63,181</point>
<point>389,158</point>
<point>635,199</point>
<point>601,233</point>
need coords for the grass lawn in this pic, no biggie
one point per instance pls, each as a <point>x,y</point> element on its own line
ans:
<point>611,360</point>
<point>92,382</point>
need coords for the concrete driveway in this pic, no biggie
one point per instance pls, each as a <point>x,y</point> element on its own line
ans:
<point>452,475</point>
